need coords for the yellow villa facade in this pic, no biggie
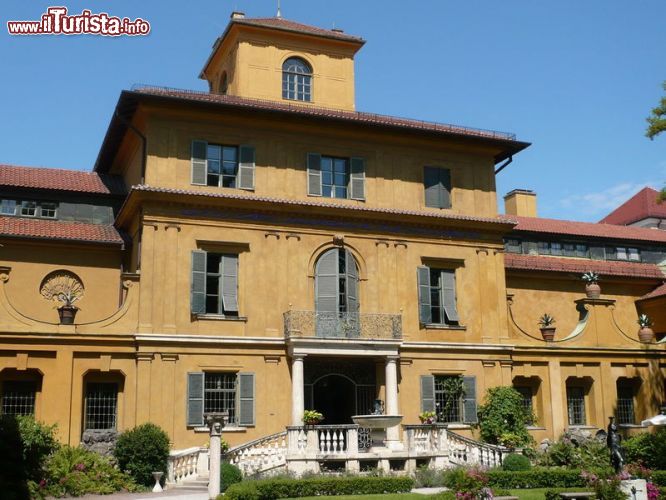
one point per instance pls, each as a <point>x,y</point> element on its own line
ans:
<point>263,249</point>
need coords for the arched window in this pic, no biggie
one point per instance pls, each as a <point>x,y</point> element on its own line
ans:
<point>336,294</point>
<point>296,80</point>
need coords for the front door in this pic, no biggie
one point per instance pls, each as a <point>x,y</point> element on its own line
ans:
<point>335,397</point>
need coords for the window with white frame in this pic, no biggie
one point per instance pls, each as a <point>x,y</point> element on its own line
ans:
<point>296,80</point>
<point>220,165</point>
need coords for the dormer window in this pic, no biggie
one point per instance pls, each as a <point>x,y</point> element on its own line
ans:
<point>296,80</point>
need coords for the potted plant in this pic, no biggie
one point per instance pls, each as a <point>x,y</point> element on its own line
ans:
<point>592,288</point>
<point>428,417</point>
<point>645,332</point>
<point>312,417</point>
<point>546,323</point>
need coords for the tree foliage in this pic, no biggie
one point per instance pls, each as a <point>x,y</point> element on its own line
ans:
<point>503,419</point>
<point>657,120</point>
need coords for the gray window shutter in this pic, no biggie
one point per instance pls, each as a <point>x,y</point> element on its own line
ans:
<point>449,294</point>
<point>352,283</point>
<point>246,168</point>
<point>357,179</point>
<point>469,400</point>
<point>425,311</point>
<point>195,399</point>
<point>427,393</point>
<point>199,164</point>
<point>444,188</point>
<point>198,290</point>
<point>326,282</point>
<point>229,282</point>
<point>314,174</point>
<point>246,391</point>
<point>431,185</point>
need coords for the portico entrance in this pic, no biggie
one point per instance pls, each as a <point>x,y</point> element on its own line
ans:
<point>339,388</point>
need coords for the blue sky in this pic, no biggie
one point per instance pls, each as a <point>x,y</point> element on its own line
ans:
<point>577,79</point>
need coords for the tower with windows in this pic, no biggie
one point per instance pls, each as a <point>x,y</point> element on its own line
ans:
<point>279,60</point>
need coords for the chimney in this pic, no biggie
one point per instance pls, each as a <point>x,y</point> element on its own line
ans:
<point>237,15</point>
<point>521,202</point>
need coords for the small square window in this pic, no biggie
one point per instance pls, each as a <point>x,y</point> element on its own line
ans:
<point>513,246</point>
<point>634,254</point>
<point>48,210</point>
<point>556,248</point>
<point>621,253</point>
<point>8,207</point>
<point>544,248</point>
<point>28,208</point>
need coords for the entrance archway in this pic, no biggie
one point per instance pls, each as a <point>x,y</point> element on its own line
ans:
<point>334,395</point>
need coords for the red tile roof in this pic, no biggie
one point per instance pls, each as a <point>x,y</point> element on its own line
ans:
<point>580,266</point>
<point>60,180</point>
<point>642,205</point>
<point>310,203</point>
<point>660,291</point>
<point>586,229</point>
<point>304,109</point>
<point>59,230</point>
<point>286,25</point>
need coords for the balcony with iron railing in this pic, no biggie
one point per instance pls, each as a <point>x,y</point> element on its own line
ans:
<point>350,326</point>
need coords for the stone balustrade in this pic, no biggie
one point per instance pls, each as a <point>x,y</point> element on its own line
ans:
<point>184,465</point>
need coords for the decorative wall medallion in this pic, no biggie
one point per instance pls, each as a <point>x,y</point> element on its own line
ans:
<point>65,288</point>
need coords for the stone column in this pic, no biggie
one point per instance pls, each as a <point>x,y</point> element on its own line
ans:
<point>391,390</point>
<point>297,389</point>
<point>216,422</point>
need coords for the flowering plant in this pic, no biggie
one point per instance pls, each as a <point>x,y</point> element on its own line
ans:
<point>428,417</point>
<point>607,488</point>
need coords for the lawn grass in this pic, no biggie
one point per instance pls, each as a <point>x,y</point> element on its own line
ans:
<point>540,493</point>
<point>388,496</point>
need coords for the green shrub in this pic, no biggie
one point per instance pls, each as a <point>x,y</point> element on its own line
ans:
<point>424,477</point>
<point>142,451</point>
<point>77,471</point>
<point>537,477</point>
<point>25,445</point>
<point>270,489</point>
<point>229,474</point>
<point>648,448</point>
<point>514,461</point>
<point>659,477</point>
<point>444,495</point>
<point>503,418</point>
<point>587,454</point>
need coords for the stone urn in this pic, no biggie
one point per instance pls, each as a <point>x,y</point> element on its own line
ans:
<point>645,334</point>
<point>548,333</point>
<point>67,313</point>
<point>592,290</point>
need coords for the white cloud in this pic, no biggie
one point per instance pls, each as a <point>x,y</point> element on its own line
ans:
<point>600,203</point>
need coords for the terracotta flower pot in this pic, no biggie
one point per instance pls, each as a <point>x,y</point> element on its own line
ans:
<point>548,333</point>
<point>592,290</point>
<point>67,314</point>
<point>645,334</point>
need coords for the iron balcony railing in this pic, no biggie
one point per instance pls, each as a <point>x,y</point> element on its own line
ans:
<point>330,325</point>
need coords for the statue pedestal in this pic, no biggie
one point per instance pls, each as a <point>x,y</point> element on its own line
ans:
<point>216,422</point>
<point>635,489</point>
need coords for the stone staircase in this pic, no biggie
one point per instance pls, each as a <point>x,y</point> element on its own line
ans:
<point>308,449</point>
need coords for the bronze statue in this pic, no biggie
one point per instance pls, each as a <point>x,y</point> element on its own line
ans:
<point>613,442</point>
